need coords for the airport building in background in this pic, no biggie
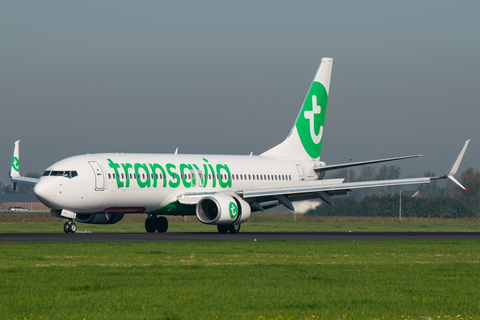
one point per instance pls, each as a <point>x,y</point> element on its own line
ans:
<point>25,200</point>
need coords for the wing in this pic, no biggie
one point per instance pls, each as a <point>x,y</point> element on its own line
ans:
<point>317,189</point>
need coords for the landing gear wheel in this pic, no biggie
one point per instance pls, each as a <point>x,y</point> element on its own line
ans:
<point>69,227</point>
<point>222,228</point>
<point>149,225</point>
<point>161,224</point>
<point>234,228</point>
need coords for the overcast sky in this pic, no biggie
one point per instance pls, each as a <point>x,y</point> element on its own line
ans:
<point>229,77</point>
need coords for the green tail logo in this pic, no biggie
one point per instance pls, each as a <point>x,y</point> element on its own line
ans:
<point>15,164</point>
<point>311,119</point>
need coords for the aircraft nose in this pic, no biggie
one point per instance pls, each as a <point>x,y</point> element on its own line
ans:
<point>45,192</point>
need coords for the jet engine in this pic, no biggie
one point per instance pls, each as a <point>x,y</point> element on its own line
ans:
<point>222,209</point>
<point>99,218</point>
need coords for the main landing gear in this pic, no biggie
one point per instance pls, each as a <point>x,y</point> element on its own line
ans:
<point>232,229</point>
<point>159,224</point>
<point>70,226</point>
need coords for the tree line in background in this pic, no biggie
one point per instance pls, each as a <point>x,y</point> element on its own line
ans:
<point>440,199</point>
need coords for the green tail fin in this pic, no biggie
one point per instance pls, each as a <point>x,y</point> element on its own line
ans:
<point>306,136</point>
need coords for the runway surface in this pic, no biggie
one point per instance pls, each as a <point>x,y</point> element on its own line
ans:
<point>242,236</point>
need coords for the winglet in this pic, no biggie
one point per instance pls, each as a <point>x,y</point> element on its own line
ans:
<point>454,168</point>
<point>15,166</point>
<point>457,183</point>
<point>458,160</point>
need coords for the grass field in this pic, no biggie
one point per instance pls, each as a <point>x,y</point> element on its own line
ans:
<point>240,280</point>
<point>43,222</point>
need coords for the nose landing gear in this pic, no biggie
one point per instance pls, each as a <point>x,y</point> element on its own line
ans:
<point>70,226</point>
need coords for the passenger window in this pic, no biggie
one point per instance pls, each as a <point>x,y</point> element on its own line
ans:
<point>109,176</point>
<point>123,176</point>
<point>249,177</point>
<point>253,176</point>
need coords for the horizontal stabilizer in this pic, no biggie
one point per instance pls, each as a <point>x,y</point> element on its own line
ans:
<point>361,163</point>
<point>25,180</point>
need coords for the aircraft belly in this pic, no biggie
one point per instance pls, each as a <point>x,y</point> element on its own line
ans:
<point>132,201</point>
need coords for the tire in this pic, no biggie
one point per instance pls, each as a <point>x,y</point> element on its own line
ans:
<point>149,225</point>
<point>234,228</point>
<point>66,228</point>
<point>161,224</point>
<point>73,228</point>
<point>222,228</point>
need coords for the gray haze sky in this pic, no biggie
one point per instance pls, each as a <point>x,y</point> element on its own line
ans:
<point>229,77</point>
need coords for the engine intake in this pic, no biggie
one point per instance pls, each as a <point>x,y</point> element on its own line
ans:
<point>222,209</point>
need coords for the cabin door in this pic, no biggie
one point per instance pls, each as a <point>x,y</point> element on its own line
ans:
<point>300,172</point>
<point>98,172</point>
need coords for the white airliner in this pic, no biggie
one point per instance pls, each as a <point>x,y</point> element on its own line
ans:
<point>220,190</point>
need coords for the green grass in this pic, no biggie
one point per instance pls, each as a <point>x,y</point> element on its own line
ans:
<point>240,280</point>
<point>258,222</point>
<point>252,226</point>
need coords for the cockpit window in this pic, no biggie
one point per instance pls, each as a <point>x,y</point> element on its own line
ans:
<point>67,174</point>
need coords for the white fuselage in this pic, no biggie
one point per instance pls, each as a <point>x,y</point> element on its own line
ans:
<point>137,183</point>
